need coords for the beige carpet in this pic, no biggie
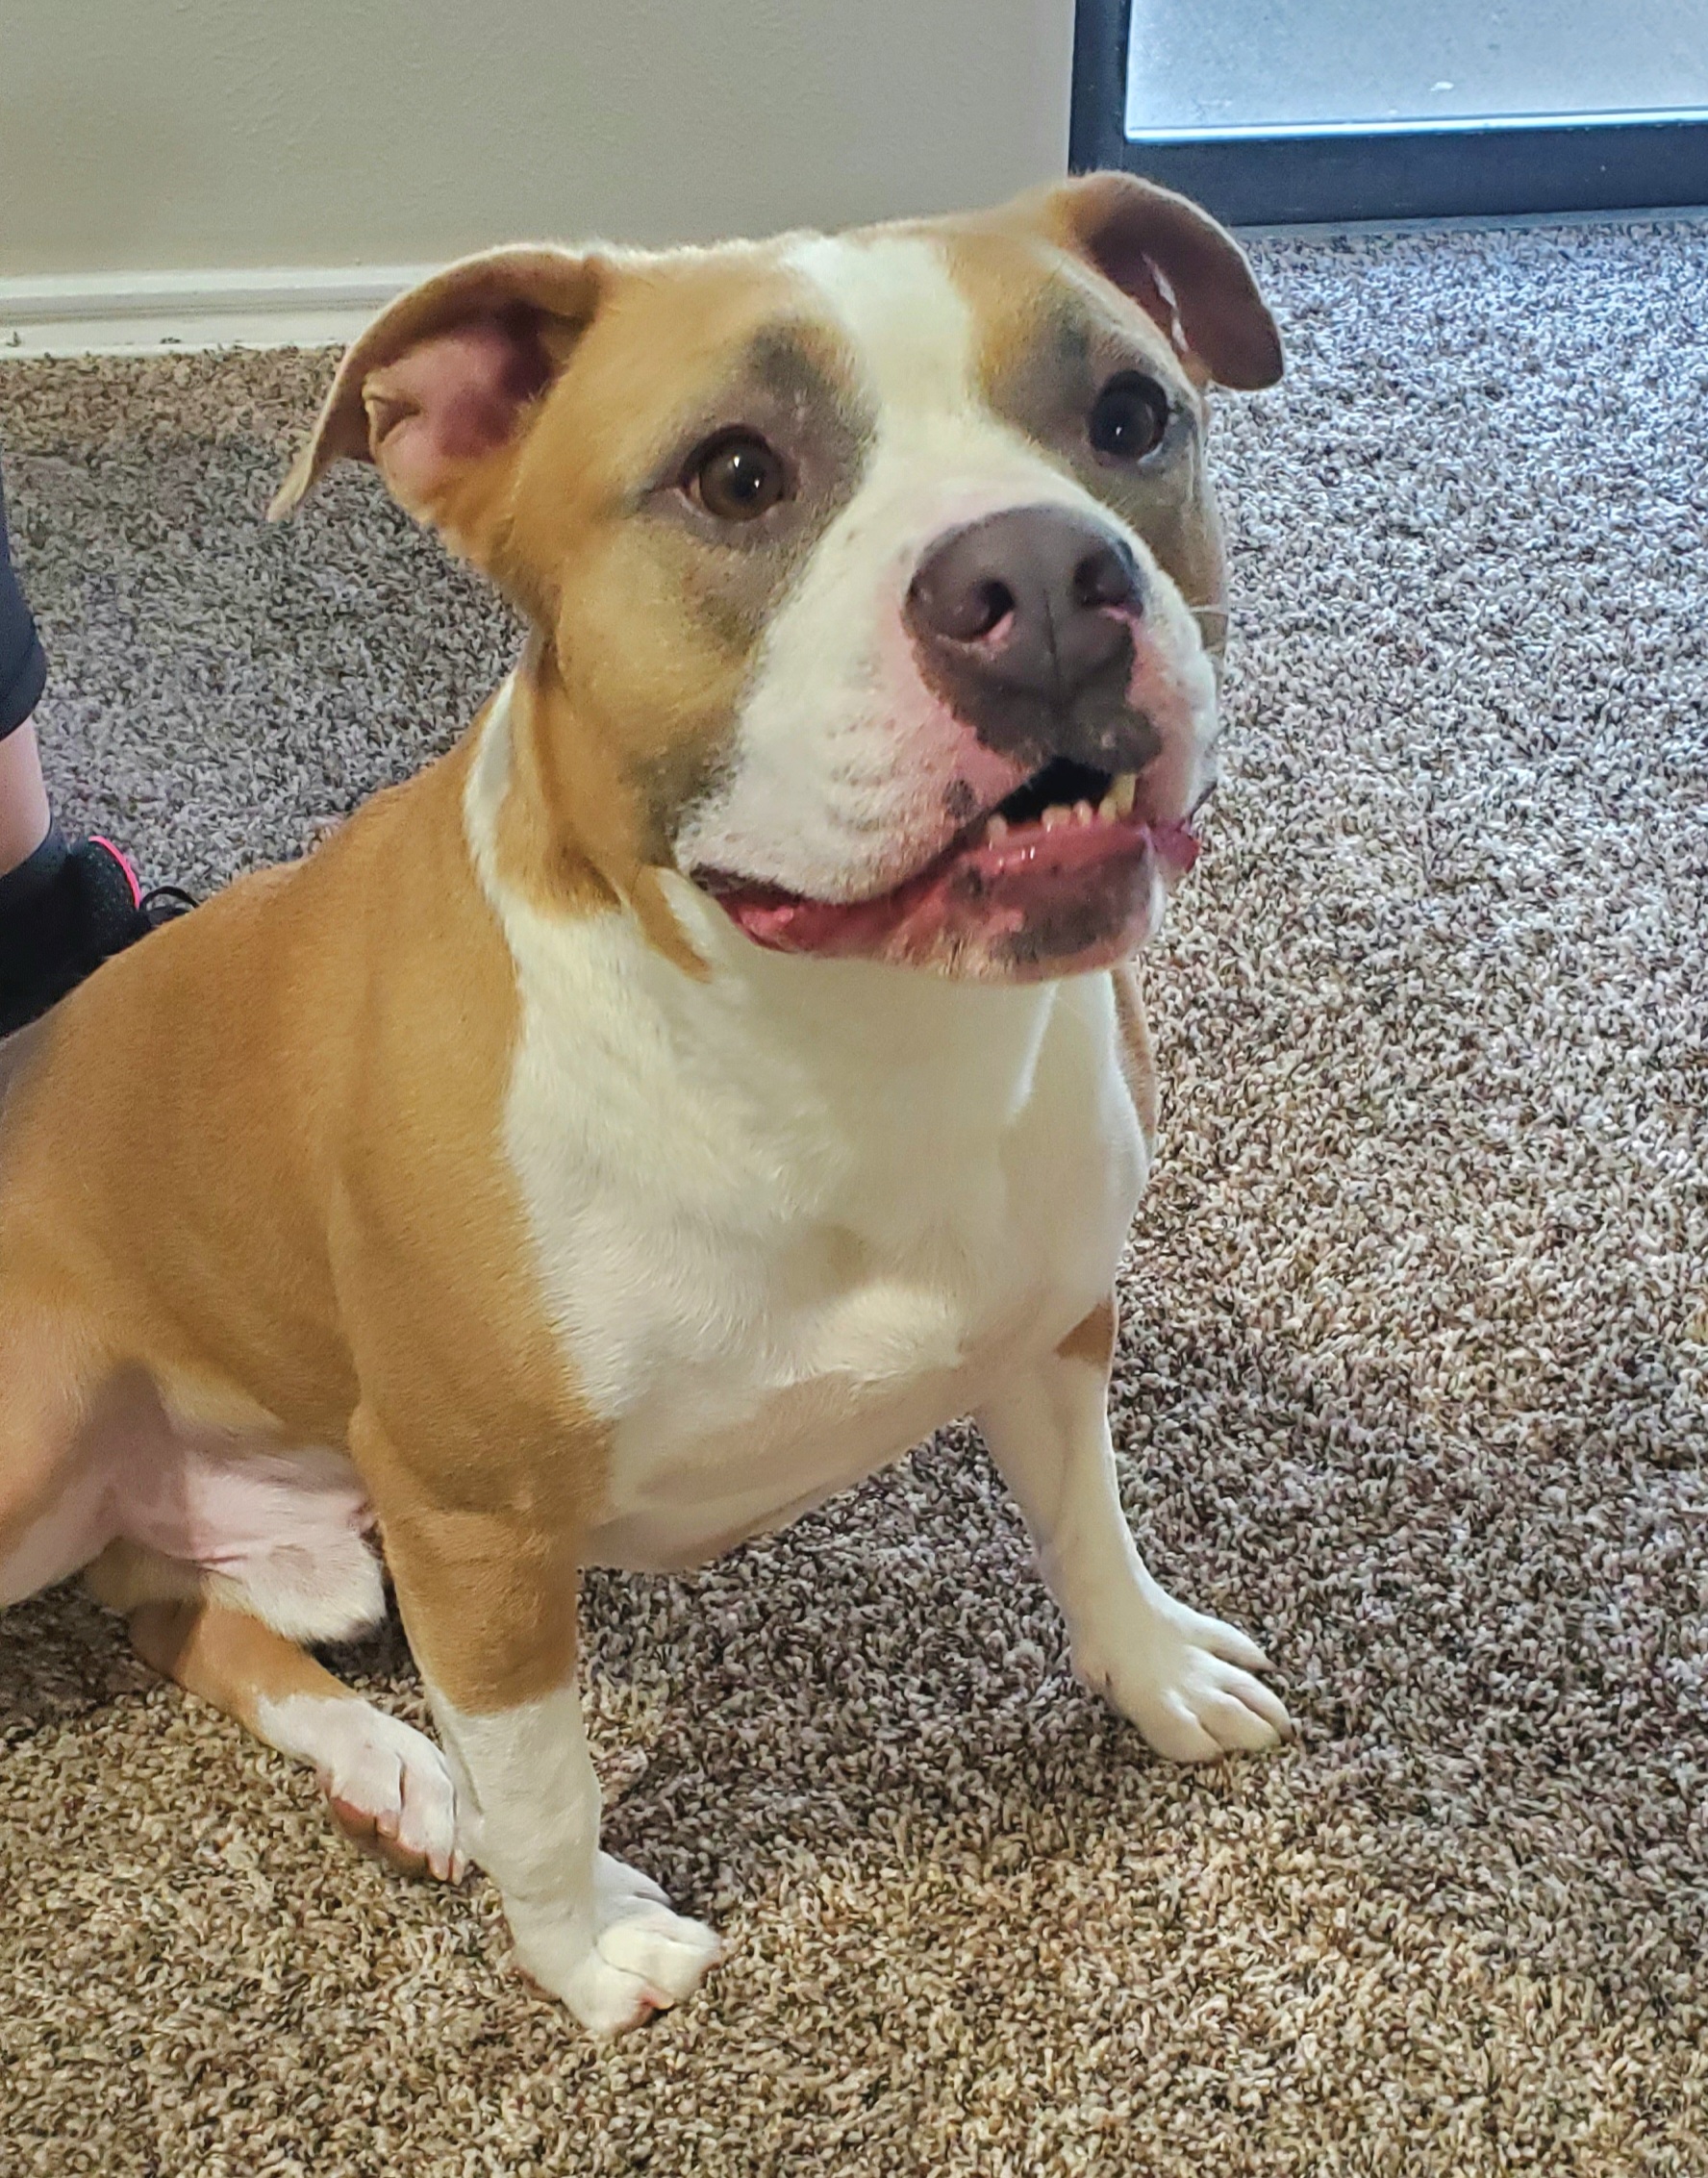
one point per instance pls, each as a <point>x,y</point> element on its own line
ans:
<point>1415,1383</point>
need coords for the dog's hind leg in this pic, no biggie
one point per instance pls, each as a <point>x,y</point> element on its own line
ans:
<point>50,1508</point>
<point>48,1371</point>
<point>387,1785</point>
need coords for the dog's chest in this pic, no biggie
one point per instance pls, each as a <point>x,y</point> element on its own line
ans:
<point>775,1261</point>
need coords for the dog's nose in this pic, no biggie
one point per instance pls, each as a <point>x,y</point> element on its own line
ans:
<point>1030,588</point>
<point>1012,616</point>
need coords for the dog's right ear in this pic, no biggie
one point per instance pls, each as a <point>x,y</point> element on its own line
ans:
<point>439,392</point>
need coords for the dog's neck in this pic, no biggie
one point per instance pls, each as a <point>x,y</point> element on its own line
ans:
<point>855,1028</point>
<point>569,831</point>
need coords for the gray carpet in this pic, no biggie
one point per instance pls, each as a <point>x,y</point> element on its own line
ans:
<point>1414,1383</point>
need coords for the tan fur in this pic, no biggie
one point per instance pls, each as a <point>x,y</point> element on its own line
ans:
<point>602,712</point>
<point>574,831</point>
<point>293,1006</point>
<point>14,1053</point>
<point>125,1578</point>
<point>356,415</point>
<point>1019,285</point>
<point>478,1459</point>
<point>228,1658</point>
<point>1185,269</point>
<point>1092,1339</point>
<point>605,709</point>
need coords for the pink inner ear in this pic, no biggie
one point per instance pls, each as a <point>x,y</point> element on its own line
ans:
<point>454,398</point>
<point>1122,261</point>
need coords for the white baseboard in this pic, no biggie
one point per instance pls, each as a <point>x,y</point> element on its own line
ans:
<point>151,313</point>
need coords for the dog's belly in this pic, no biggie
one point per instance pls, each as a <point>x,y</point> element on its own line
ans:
<point>283,1526</point>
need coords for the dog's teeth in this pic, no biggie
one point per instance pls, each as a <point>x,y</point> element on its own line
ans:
<point>1083,813</point>
<point>996,832</point>
<point>1106,809</point>
<point>1055,815</point>
<point>1123,792</point>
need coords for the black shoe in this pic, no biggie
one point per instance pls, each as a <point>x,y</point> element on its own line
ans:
<point>69,907</point>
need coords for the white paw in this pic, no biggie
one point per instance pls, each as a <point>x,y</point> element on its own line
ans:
<point>641,1959</point>
<point>1188,1682</point>
<point>387,1785</point>
<point>389,1788</point>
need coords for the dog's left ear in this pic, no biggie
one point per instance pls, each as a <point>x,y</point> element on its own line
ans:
<point>1177,264</point>
<point>440,392</point>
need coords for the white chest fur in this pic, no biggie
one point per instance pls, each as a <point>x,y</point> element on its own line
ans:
<point>789,1220</point>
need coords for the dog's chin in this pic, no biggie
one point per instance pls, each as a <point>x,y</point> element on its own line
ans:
<point>1036,902</point>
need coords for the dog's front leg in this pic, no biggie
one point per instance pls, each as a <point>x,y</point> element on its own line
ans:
<point>1186,1680</point>
<point>488,1601</point>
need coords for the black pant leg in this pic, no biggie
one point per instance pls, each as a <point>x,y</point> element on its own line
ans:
<point>23,665</point>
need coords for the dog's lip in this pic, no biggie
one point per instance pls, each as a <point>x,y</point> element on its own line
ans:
<point>1174,837</point>
<point>984,858</point>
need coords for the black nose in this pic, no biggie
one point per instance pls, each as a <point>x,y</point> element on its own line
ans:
<point>1011,621</point>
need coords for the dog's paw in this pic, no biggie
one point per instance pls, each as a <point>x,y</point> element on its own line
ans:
<point>390,1790</point>
<point>642,1959</point>
<point>1189,1683</point>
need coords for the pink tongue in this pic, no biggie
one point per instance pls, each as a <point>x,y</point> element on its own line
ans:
<point>793,925</point>
<point>1177,844</point>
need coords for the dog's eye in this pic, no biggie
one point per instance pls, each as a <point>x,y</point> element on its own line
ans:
<point>737,476</point>
<point>1128,418</point>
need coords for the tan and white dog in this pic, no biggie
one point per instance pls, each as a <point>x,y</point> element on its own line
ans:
<point>717,1071</point>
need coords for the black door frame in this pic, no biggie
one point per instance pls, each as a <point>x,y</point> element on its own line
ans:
<point>1386,172</point>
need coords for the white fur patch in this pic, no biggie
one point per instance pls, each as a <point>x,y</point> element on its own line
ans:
<point>374,1766</point>
<point>280,1532</point>
<point>913,329</point>
<point>284,1531</point>
<point>593,1932</point>
<point>1187,1681</point>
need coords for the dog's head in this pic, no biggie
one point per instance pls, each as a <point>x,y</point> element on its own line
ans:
<point>877,578</point>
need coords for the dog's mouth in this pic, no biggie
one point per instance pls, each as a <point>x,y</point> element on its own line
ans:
<point>1059,877</point>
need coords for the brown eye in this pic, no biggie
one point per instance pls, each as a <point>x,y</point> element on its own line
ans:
<point>738,477</point>
<point>1128,418</point>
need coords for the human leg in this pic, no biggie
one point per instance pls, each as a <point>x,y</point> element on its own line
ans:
<point>65,905</point>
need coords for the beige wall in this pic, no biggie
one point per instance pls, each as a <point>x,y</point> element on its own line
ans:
<point>141,135</point>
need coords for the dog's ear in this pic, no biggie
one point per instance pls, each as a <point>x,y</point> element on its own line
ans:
<point>439,391</point>
<point>1177,264</point>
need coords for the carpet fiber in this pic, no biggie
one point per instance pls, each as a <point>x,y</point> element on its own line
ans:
<point>1413,1382</point>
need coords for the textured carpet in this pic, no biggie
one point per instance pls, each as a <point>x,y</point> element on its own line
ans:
<point>1414,1382</point>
